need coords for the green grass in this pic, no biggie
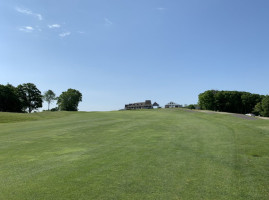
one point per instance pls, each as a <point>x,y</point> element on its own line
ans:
<point>157,154</point>
<point>20,117</point>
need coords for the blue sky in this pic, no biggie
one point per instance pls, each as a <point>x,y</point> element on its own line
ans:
<point>122,51</point>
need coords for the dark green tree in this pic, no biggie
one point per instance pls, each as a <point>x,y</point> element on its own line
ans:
<point>262,108</point>
<point>69,100</point>
<point>9,100</point>
<point>29,96</point>
<point>49,96</point>
<point>191,106</point>
<point>258,109</point>
<point>249,101</point>
<point>265,106</point>
<point>207,100</point>
<point>229,101</point>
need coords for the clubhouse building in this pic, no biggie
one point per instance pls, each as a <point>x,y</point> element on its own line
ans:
<point>173,105</point>
<point>140,105</point>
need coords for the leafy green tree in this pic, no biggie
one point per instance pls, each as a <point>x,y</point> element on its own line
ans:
<point>54,109</point>
<point>69,100</point>
<point>258,109</point>
<point>191,106</point>
<point>207,100</point>
<point>220,101</point>
<point>265,106</point>
<point>9,100</point>
<point>249,101</point>
<point>229,101</point>
<point>233,101</point>
<point>262,108</point>
<point>49,96</point>
<point>29,96</point>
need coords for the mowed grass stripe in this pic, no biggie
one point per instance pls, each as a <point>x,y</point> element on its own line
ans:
<point>157,154</point>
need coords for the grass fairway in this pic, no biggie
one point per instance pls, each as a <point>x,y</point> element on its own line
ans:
<point>154,154</point>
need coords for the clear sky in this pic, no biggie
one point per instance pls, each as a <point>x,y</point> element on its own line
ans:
<point>121,51</point>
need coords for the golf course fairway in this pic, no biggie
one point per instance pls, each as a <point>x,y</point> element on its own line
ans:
<point>146,154</point>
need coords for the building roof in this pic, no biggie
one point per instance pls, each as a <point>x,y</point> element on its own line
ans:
<point>147,102</point>
<point>155,104</point>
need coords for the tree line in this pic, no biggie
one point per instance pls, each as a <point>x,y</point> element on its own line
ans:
<point>235,102</point>
<point>27,97</point>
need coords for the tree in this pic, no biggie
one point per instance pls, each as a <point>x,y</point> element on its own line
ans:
<point>9,100</point>
<point>29,96</point>
<point>265,106</point>
<point>229,101</point>
<point>262,108</point>
<point>249,101</point>
<point>69,100</point>
<point>258,109</point>
<point>191,106</point>
<point>49,96</point>
<point>207,100</point>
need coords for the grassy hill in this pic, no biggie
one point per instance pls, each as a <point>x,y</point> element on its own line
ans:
<point>152,154</point>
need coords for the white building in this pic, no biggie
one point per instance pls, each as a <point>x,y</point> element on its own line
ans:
<point>173,105</point>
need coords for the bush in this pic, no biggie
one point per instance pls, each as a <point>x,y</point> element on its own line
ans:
<point>54,109</point>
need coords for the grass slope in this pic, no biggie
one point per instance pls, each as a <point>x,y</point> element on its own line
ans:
<point>157,154</point>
